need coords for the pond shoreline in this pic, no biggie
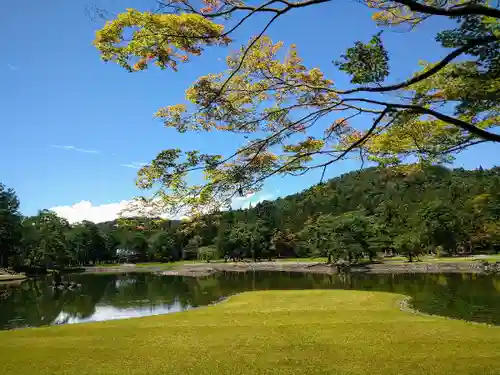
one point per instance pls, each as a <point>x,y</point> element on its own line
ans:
<point>137,294</point>
<point>11,278</point>
<point>207,269</point>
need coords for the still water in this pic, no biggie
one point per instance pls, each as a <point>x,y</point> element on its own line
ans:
<point>117,296</point>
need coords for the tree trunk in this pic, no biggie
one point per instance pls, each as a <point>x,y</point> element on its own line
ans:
<point>329,258</point>
<point>410,256</point>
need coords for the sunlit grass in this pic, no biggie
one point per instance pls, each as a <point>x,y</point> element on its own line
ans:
<point>269,332</point>
<point>303,260</point>
<point>145,264</point>
<point>108,265</point>
<point>462,259</point>
<point>158,264</point>
<point>392,260</point>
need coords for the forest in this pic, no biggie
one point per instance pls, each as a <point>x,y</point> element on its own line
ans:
<point>410,210</point>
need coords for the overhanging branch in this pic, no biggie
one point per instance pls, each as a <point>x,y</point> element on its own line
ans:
<point>481,133</point>
<point>458,10</point>
<point>428,73</point>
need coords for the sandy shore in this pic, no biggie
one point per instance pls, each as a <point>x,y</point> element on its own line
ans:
<point>206,269</point>
<point>197,270</point>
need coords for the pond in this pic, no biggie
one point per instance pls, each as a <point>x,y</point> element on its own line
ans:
<point>114,296</point>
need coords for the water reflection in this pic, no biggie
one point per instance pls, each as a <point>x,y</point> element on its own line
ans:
<point>106,297</point>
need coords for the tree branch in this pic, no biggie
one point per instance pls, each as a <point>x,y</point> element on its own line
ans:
<point>481,133</point>
<point>436,68</point>
<point>467,9</point>
<point>343,154</point>
<point>245,53</point>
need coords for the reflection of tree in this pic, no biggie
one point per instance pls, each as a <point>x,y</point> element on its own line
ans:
<point>31,304</point>
<point>4,292</point>
<point>81,303</point>
<point>34,303</point>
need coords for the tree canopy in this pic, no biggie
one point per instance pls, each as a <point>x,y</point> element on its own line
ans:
<point>10,220</point>
<point>268,94</point>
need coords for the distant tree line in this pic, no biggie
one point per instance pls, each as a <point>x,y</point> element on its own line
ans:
<point>46,240</point>
<point>407,210</point>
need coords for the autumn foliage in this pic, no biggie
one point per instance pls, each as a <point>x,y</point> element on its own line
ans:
<point>272,98</point>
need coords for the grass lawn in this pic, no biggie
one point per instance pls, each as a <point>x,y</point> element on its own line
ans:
<point>304,260</point>
<point>156,264</point>
<point>395,259</point>
<point>140,265</point>
<point>269,332</point>
<point>159,264</point>
<point>427,259</point>
<point>177,263</point>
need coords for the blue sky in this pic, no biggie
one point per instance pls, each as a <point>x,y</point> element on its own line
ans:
<point>75,129</point>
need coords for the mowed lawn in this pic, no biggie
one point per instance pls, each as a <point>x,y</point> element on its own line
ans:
<point>269,332</point>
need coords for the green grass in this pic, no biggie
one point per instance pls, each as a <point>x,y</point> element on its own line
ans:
<point>142,265</point>
<point>488,258</point>
<point>428,259</point>
<point>392,260</point>
<point>108,265</point>
<point>301,260</point>
<point>159,264</point>
<point>396,258</point>
<point>269,332</point>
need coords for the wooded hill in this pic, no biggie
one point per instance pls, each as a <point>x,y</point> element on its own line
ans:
<point>408,210</point>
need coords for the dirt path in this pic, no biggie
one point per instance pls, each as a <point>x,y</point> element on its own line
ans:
<point>205,269</point>
<point>322,268</point>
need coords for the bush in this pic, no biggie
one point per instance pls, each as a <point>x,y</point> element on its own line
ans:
<point>440,253</point>
<point>190,253</point>
<point>208,253</point>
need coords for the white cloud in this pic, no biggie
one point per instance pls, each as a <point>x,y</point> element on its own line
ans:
<point>251,199</point>
<point>85,210</point>
<point>73,148</point>
<point>12,67</point>
<point>244,198</point>
<point>134,165</point>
